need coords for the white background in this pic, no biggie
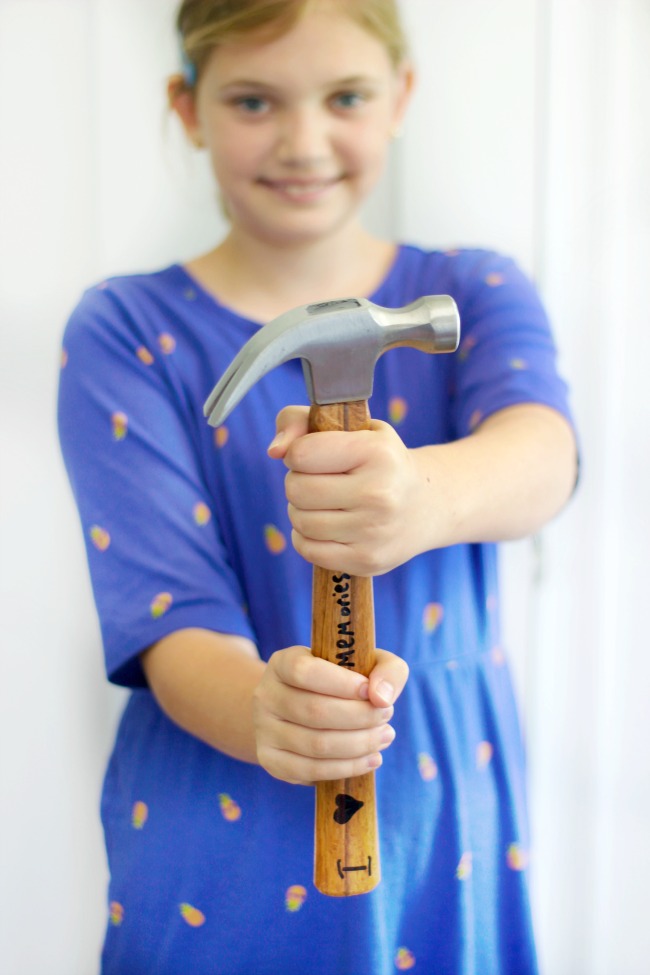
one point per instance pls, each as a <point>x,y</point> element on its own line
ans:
<point>529,133</point>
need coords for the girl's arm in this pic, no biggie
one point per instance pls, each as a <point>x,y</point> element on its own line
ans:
<point>301,718</point>
<point>205,681</point>
<point>364,503</point>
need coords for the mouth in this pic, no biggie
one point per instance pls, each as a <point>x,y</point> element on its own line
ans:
<point>301,190</point>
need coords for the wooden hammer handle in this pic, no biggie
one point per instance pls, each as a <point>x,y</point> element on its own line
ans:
<point>346,854</point>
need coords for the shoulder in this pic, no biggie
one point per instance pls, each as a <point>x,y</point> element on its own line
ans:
<point>490,288</point>
<point>142,313</point>
<point>463,270</point>
<point>120,298</point>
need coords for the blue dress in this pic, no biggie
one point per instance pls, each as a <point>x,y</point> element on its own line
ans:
<point>210,858</point>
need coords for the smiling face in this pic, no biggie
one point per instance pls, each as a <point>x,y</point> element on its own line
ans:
<point>297,127</point>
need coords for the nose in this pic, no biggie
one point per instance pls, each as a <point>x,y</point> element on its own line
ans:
<point>303,136</point>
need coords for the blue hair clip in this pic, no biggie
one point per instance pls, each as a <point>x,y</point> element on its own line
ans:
<point>188,68</point>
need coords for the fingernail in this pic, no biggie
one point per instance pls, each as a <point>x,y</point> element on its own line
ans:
<point>278,440</point>
<point>375,761</point>
<point>388,735</point>
<point>386,691</point>
<point>363,691</point>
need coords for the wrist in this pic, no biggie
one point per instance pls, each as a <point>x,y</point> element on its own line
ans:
<point>437,512</point>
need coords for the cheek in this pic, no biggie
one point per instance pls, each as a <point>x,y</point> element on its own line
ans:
<point>237,152</point>
<point>368,150</point>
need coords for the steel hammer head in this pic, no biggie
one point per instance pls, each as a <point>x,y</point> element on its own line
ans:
<point>339,343</point>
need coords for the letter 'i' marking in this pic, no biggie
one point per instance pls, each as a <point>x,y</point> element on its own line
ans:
<point>343,870</point>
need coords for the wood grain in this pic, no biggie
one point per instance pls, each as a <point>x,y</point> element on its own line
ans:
<point>346,847</point>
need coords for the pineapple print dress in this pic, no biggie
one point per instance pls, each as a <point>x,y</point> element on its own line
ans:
<point>186,526</point>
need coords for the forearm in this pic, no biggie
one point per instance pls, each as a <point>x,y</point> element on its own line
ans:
<point>505,481</point>
<point>205,682</point>
<point>300,717</point>
<point>364,503</point>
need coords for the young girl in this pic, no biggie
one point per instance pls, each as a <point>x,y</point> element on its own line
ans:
<point>200,543</point>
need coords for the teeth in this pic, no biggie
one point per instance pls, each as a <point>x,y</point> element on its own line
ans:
<point>297,189</point>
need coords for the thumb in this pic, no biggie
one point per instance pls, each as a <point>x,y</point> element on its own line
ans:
<point>291,422</point>
<point>387,679</point>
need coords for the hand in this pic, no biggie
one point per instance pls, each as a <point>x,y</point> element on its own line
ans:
<point>353,497</point>
<point>315,721</point>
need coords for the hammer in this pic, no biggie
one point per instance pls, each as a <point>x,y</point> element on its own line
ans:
<point>339,343</point>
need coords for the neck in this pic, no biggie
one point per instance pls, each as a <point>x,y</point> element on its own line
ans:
<point>262,281</point>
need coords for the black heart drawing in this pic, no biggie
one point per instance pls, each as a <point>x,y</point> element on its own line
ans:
<point>346,808</point>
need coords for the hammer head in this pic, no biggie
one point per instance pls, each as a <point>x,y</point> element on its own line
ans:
<point>339,343</point>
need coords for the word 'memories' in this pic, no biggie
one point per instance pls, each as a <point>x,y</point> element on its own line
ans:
<point>345,625</point>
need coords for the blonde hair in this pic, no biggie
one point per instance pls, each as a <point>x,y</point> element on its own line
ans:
<point>204,24</point>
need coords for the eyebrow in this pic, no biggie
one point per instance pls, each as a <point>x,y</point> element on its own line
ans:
<point>349,82</point>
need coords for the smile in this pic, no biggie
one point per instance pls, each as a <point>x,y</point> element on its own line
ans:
<point>300,189</point>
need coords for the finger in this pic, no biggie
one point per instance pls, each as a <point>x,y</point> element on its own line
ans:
<point>319,712</point>
<point>326,526</point>
<point>329,745</point>
<point>299,770</point>
<point>291,423</point>
<point>329,452</point>
<point>338,556</point>
<point>314,492</point>
<point>387,679</point>
<point>338,451</point>
<point>297,667</point>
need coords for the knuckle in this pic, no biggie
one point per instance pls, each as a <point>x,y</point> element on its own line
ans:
<point>273,763</point>
<point>369,563</point>
<point>299,543</point>
<point>312,771</point>
<point>275,662</point>
<point>301,670</point>
<point>258,702</point>
<point>386,498</point>
<point>320,746</point>
<point>315,711</point>
<point>265,757</point>
<point>298,454</point>
<point>375,562</point>
<point>304,524</point>
<point>378,499</point>
<point>292,488</point>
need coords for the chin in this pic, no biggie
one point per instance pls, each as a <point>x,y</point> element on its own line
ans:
<point>292,228</point>
<point>289,236</point>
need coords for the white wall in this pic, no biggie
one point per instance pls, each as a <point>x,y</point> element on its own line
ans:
<point>89,184</point>
<point>590,714</point>
<point>529,133</point>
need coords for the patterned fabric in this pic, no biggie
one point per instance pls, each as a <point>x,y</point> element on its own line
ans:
<point>185,526</point>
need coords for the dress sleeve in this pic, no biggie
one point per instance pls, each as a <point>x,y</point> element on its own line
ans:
<point>507,355</point>
<point>131,446</point>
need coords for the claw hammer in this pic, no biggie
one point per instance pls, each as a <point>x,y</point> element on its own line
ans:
<point>339,343</point>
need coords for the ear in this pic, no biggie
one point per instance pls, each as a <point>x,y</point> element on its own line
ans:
<point>405,83</point>
<point>181,100</point>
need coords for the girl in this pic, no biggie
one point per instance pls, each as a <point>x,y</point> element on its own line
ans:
<point>201,568</point>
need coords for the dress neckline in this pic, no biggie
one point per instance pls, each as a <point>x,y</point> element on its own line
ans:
<point>209,298</point>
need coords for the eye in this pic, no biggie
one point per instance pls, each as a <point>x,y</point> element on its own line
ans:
<point>252,104</point>
<point>348,99</point>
